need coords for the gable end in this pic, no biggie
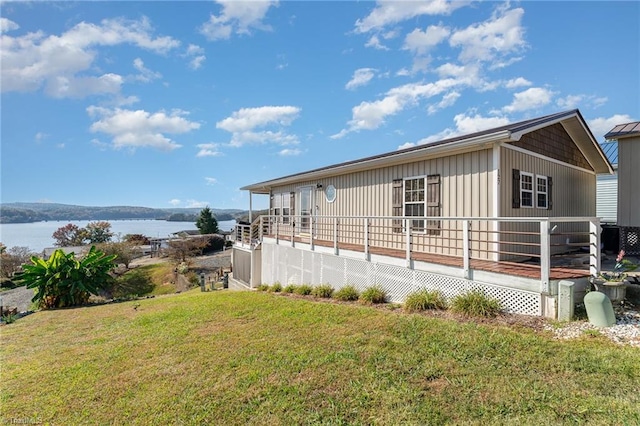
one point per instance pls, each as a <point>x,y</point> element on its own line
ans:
<point>553,142</point>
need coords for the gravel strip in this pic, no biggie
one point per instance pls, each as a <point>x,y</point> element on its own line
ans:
<point>626,331</point>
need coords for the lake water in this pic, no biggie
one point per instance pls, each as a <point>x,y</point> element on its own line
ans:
<point>38,235</point>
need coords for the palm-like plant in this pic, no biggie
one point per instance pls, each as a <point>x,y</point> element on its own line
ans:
<point>63,280</point>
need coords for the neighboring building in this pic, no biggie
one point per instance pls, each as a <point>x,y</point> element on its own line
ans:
<point>628,214</point>
<point>607,186</point>
<point>450,214</point>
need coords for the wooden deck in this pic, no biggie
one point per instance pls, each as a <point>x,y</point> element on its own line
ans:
<point>502,267</point>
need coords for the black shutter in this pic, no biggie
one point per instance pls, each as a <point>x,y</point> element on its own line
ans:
<point>549,193</point>
<point>433,204</point>
<point>396,196</point>
<point>515,190</point>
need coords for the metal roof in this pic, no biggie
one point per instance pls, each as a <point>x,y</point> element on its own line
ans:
<point>573,119</point>
<point>610,149</point>
<point>624,130</point>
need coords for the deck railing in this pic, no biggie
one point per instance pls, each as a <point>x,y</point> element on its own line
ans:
<point>544,241</point>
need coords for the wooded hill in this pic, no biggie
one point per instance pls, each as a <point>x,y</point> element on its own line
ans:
<point>36,212</point>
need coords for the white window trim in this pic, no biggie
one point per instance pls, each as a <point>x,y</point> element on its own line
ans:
<point>423,202</point>
<point>532,191</point>
<point>546,192</point>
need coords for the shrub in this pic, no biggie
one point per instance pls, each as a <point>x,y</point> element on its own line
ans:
<point>422,300</point>
<point>476,303</point>
<point>323,290</point>
<point>135,282</point>
<point>347,294</point>
<point>275,288</point>
<point>374,294</point>
<point>303,290</point>
<point>289,289</point>
<point>263,287</point>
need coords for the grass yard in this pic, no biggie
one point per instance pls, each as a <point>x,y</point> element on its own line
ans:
<point>236,358</point>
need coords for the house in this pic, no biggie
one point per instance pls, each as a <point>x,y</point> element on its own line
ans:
<point>489,210</point>
<point>607,186</point>
<point>628,211</point>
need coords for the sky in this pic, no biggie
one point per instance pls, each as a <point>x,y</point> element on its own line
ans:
<point>179,104</point>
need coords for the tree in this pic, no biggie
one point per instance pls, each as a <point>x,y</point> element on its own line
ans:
<point>69,235</point>
<point>124,251</point>
<point>136,239</point>
<point>63,280</point>
<point>183,248</point>
<point>98,232</point>
<point>12,259</point>
<point>206,223</point>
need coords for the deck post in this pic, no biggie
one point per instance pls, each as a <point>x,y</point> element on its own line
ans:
<point>465,247</point>
<point>594,246</point>
<point>545,255</point>
<point>335,236</point>
<point>277,232</point>
<point>312,232</point>
<point>366,238</point>
<point>407,242</point>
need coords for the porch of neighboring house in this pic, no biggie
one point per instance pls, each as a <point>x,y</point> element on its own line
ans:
<point>522,261</point>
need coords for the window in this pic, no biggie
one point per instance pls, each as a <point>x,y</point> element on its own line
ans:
<point>526,189</point>
<point>281,207</point>
<point>531,190</point>
<point>541,192</point>
<point>419,197</point>
<point>286,208</point>
<point>414,201</point>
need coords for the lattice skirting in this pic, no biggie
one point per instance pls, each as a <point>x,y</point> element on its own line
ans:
<point>289,265</point>
<point>630,240</point>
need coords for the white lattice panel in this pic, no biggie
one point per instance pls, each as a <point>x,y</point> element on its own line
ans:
<point>293,266</point>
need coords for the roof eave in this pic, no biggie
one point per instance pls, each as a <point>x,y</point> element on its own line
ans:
<point>377,162</point>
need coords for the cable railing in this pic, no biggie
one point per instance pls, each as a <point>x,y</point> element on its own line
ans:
<point>541,242</point>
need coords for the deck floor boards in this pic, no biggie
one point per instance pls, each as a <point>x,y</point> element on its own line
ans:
<point>500,267</point>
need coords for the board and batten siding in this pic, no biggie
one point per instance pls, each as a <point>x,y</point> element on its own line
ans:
<point>574,194</point>
<point>628,182</point>
<point>466,190</point>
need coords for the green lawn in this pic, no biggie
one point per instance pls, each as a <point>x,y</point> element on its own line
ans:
<point>235,358</point>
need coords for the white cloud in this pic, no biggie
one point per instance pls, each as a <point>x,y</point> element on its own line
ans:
<point>208,150</point>
<point>196,204</point>
<point>137,129</point>
<point>196,55</point>
<point>447,100</point>
<point>465,125</point>
<point>501,35</point>
<point>7,25</point>
<point>374,42</point>
<point>238,17</point>
<point>210,181</point>
<point>175,202</point>
<point>242,124</point>
<point>532,98</point>
<point>34,60</point>
<point>371,115</point>
<point>421,42</point>
<point>570,101</point>
<point>146,75</point>
<point>40,136</point>
<point>387,12</point>
<point>361,77</point>
<point>517,82</point>
<point>602,125</point>
<point>288,152</point>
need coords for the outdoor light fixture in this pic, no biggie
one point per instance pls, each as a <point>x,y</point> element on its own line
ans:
<point>319,186</point>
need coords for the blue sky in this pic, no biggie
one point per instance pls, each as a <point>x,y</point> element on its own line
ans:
<point>179,104</point>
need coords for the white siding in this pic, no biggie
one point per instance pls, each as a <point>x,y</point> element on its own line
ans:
<point>607,198</point>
